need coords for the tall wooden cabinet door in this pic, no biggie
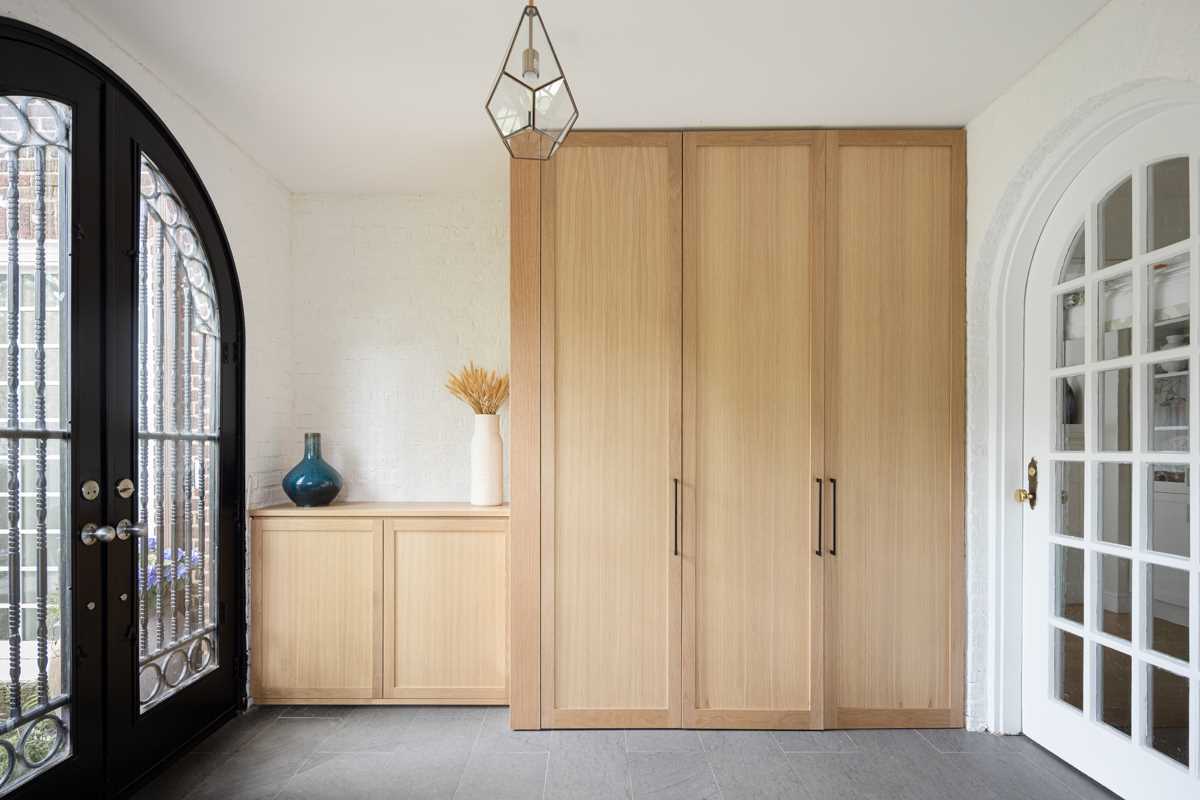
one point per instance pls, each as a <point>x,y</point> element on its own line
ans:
<point>611,269</point>
<point>752,446</point>
<point>895,435</point>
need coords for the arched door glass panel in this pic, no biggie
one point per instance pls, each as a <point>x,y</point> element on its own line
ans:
<point>35,543</point>
<point>177,397</point>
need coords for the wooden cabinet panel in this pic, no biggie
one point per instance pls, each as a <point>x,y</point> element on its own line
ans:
<point>445,612</point>
<point>610,415</point>
<point>752,430</point>
<point>316,608</point>
<point>895,375</point>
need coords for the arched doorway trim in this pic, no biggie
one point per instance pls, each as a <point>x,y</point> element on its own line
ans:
<point>995,327</point>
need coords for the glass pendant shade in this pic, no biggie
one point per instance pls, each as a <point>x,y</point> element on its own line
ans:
<point>531,104</point>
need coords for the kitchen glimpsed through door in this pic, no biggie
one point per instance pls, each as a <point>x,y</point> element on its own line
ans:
<point>1111,564</point>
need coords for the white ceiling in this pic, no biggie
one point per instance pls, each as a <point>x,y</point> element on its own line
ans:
<point>371,96</point>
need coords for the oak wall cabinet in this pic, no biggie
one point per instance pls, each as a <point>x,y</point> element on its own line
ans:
<point>610,416</point>
<point>752,429</point>
<point>737,430</point>
<point>379,603</point>
<point>895,387</point>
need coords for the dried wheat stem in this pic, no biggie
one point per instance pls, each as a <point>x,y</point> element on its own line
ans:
<point>484,391</point>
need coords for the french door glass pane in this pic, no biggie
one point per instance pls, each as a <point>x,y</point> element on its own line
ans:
<point>35,162</point>
<point>1073,265</point>
<point>1070,393</point>
<point>1070,498</point>
<point>1115,410</point>
<point>1116,596</point>
<point>1116,317</point>
<point>1168,590</point>
<point>178,347</point>
<point>1068,583</point>
<point>1068,668</point>
<point>1168,210</point>
<point>1116,502</point>
<point>1072,326</point>
<point>1170,509</point>
<point>1116,672</point>
<point>1169,713</point>
<point>1116,225</point>
<point>1170,303</point>
<point>1169,426</point>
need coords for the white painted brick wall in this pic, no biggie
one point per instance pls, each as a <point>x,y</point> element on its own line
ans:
<point>389,293</point>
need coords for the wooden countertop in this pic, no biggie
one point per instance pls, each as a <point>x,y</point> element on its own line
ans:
<point>383,510</point>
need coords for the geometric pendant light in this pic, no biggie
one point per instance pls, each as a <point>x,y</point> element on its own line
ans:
<point>531,104</point>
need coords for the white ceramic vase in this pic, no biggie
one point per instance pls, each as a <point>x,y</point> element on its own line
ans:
<point>487,462</point>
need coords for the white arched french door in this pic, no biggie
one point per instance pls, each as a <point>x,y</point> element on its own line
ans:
<point>1111,553</point>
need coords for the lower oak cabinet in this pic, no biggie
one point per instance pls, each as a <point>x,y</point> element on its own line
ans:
<point>379,603</point>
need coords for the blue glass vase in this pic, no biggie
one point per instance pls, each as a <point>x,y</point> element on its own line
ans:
<point>312,482</point>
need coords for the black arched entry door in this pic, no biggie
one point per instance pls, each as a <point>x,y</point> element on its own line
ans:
<point>121,442</point>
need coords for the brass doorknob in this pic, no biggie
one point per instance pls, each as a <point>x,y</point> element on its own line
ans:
<point>1021,496</point>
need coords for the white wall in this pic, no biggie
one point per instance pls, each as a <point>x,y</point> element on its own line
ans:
<point>1126,42</point>
<point>389,293</point>
<point>254,209</point>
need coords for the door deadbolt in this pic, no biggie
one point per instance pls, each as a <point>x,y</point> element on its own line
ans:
<point>90,490</point>
<point>125,488</point>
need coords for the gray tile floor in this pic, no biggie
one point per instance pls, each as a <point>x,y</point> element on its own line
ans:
<point>470,754</point>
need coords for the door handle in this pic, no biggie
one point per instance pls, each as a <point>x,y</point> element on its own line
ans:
<point>833,544</point>
<point>820,513</point>
<point>126,529</point>
<point>676,540</point>
<point>91,533</point>
<point>1029,495</point>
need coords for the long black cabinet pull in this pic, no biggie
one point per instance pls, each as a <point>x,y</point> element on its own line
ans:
<point>820,512</point>
<point>676,480</point>
<point>833,545</point>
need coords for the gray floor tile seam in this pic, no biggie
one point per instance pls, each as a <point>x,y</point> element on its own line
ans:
<point>932,748</point>
<point>711,771</point>
<point>263,728</point>
<point>471,753</point>
<point>311,754</point>
<point>939,750</point>
<point>929,742</point>
<point>855,751</point>
<point>300,768</point>
<point>791,768</point>
<point>628,767</point>
<point>546,775</point>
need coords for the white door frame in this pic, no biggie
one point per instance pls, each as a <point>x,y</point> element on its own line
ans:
<point>995,369</point>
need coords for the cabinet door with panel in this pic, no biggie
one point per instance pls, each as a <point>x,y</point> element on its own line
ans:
<point>445,610</point>
<point>317,591</point>
<point>610,395</point>
<point>895,375</point>
<point>752,435</point>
